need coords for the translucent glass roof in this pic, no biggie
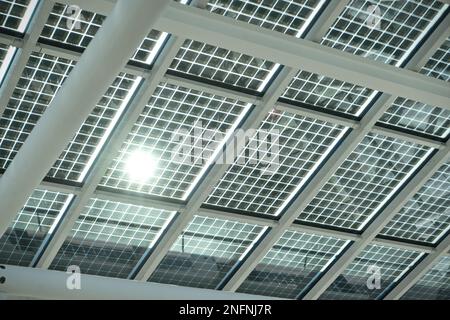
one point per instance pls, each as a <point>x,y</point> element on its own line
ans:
<point>15,14</point>
<point>438,66</point>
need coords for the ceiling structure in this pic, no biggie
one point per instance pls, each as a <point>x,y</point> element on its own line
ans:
<point>358,91</point>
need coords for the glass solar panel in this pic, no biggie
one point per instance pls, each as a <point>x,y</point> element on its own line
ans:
<point>439,64</point>
<point>292,264</point>
<point>176,137</point>
<point>278,158</point>
<point>385,31</point>
<point>223,66</point>
<point>328,93</point>
<point>34,223</point>
<point>206,252</point>
<point>73,26</point>
<point>366,180</point>
<point>6,55</point>
<point>109,238</point>
<point>15,14</point>
<point>434,285</point>
<point>285,16</point>
<point>38,85</point>
<point>426,217</point>
<point>418,117</point>
<point>373,272</point>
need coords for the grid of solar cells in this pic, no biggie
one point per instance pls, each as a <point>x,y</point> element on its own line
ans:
<point>6,55</point>
<point>180,130</point>
<point>109,238</point>
<point>328,93</point>
<point>73,26</point>
<point>419,117</point>
<point>292,264</point>
<point>22,240</point>
<point>366,180</point>
<point>206,251</point>
<point>222,65</point>
<point>285,16</point>
<point>38,85</point>
<point>15,14</point>
<point>434,285</point>
<point>438,66</point>
<point>277,160</point>
<point>426,217</point>
<point>373,272</point>
<point>385,31</point>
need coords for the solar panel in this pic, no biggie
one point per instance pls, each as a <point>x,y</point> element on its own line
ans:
<point>438,65</point>
<point>434,285</point>
<point>176,136</point>
<point>277,160</point>
<point>366,180</point>
<point>292,264</point>
<point>426,217</point>
<point>206,252</point>
<point>15,14</point>
<point>32,226</point>
<point>285,16</point>
<point>328,93</point>
<point>70,25</point>
<point>38,85</point>
<point>418,117</point>
<point>6,55</point>
<point>373,272</point>
<point>385,31</point>
<point>109,238</point>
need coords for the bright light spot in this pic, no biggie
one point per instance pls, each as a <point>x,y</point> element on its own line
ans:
<point>141,166</point>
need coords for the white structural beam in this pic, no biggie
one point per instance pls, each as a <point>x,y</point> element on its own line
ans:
<point>379,223</point>
<point>50,284</point>
<point>420,270</point>
<point>27,45</point>
<point>123,128</point>
<point>84,87</point>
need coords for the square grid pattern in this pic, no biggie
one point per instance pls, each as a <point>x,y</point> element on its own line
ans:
<point>385,31</point>
<point>206,252</point>
<point>418,117</point>
<point>366,180</point>
<point>73,26</point>
<point>434,285</point>
<point>426,217</point>
<point>109,238</point>
<point>285,16</point>
<point>439,66</point>
<point>179,132</point>
<point>15,14</point>
<point>292,264</point>
<point>276,161</point>
<point>31,227</point>
<point>328,93</point>
<point>373,272</point>
<point>38,85</point>
<point>223,66</point>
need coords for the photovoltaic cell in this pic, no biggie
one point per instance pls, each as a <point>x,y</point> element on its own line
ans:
<point>366,180</point>
<point>177,135</point>
<point>38,85</point>
<point>434,285</point>
<point>6,55</point>
<point>373,272</point>
<point>426,217</point>
<point>15,14</point>
<point>328,93</point>
<point>276,161</point>
<point>33,224</point>
<point>439,64</point>
<point>385,31</point>
<point>292,264</point>
<point>205,252</point>
<point>71,25</point>
<point>109,238</point>
<point>418,117</point>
